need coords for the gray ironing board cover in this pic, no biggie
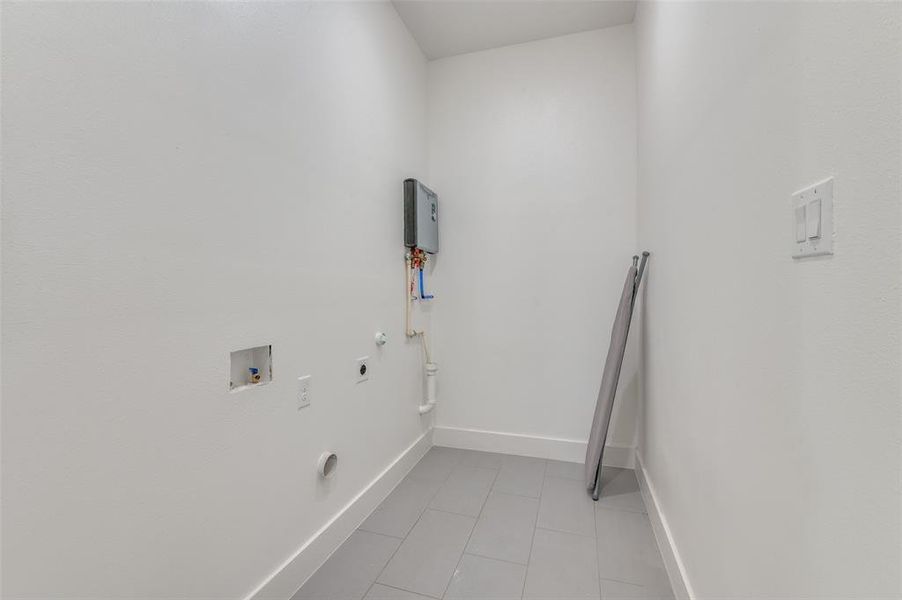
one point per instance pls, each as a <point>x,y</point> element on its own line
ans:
<point>609,379</point>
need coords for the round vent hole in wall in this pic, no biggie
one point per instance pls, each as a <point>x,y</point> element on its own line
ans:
<point>327,464</point>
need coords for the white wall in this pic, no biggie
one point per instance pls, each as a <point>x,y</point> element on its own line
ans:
<point>181,180</point>
<point>772,417</point>
<point>532,151</point>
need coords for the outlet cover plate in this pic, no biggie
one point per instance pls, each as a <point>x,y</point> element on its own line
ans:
<point>363,369</point>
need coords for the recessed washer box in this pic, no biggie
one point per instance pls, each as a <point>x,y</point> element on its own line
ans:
<point>250,367</point>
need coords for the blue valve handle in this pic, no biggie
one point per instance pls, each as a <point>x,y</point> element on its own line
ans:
<point>423,295</point>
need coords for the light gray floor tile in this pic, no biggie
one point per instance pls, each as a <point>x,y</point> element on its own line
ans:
<point>617,590</point>
<point>567,506</point>
<point>521,475</point>
<point>351,570</point>
<point>397,513</point>
<point>505,528</point>
<point>562,566</point>
<point>566,470</point>
<point>620,489</point>
<point>465,490</point>
<point>437,465</point>
<point>427,558</point>
<point>627,550</point>
<point>480,578</point>
<point>624,560</point>
<point>456,454</point>
<point>383,592</point>
<point>486,460</point>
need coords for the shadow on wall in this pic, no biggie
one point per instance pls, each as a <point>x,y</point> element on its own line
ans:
<point>624,419</point>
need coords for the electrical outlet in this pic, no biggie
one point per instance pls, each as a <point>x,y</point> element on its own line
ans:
<point>303,391</point>
<point>363,369</point>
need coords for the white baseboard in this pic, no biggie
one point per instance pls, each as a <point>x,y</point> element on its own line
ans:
<point>676,570</point>
<point>291,575</point>
<point>528,445</point>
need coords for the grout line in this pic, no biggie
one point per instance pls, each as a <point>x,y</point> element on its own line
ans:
<point>504,560</point>
<point>591,508</point>
<point>404,539</point>
<point>564,478</point>
<point>517,495</point>
<point>641,585</point>
<point>494,491</point>
<point>535,528</point>
<point>394,537</point>
<point>595,544</point>
<point>451,512</point>
<point>463,463</point>
<point>386,535</point>
<point>394,587</point>
<point>621,509</point>
<point>472,529</point>
<point>583,535</point>
<point>486,499</point>
<point>392,557</point>
<point>544,470</point>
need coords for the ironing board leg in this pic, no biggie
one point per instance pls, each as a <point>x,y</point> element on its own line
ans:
<point>597,490</point>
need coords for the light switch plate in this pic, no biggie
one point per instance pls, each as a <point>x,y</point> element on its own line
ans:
<point>807,200</point>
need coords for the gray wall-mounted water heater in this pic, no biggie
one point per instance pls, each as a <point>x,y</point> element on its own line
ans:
<point>420,217</point>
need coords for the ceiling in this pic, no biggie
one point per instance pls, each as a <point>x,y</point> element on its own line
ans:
<point>448,27</point>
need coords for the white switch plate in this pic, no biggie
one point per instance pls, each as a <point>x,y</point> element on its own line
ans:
<point>806,199</point>
<point>303,391</point>
<point>363,369</point>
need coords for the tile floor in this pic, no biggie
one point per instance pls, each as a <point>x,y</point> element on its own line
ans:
<point>478,525</point>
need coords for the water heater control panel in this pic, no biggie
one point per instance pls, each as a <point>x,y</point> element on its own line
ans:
<point>420,217</point>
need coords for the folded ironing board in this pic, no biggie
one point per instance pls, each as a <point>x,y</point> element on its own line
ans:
<point>611,376</point>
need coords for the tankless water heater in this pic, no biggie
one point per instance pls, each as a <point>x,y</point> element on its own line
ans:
<point>420,217</point>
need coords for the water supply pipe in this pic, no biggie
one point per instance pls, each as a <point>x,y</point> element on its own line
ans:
<point>408,295</point>
<point>430,367</point>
